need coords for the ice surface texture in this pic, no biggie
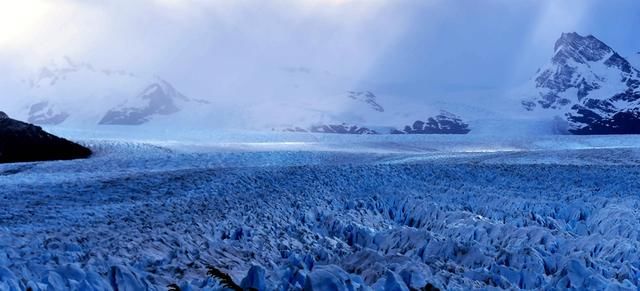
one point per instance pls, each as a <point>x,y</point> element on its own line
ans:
<point>139,216</point>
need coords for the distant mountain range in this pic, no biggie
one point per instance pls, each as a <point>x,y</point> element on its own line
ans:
<point>334,128</point>
<point>59,92</point>
<point>365,114</point>
<point>589,85</point>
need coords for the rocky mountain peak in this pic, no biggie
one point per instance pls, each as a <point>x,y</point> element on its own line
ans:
<point>591,85</point>
<point>158,98</point>
<point>580,66</point>
<point>572,47</point>
<point>3,115</point>
<point>443,123</point>
<point>580,48</point>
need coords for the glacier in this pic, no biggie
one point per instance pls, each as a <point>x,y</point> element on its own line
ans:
<point>286,211</point>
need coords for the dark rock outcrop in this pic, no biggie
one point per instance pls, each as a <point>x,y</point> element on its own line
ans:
<point>623,122</point>
<point>443,123</point>
<point>23,142</point>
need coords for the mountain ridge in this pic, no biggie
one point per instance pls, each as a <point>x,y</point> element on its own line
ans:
<point>57,92</point>
<point>590,85</point>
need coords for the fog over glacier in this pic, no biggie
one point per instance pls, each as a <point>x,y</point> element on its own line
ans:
<point>261,62</point>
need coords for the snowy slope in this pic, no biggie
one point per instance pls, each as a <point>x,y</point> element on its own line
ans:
<point>75,94</point>
<point>443,123</point>
<point>158,98</point>
<point>363,112</point>
<point>142,216</point>
<point>588,84</point>
<point>79,94</point>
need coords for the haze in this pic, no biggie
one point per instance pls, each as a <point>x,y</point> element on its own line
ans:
<point>272,54</point>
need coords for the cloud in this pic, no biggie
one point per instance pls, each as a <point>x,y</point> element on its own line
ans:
<point>230,52</point>
<point>249,54</point>
<point>558,16</point>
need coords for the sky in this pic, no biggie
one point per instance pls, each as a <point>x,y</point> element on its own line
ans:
<point>247,52</point>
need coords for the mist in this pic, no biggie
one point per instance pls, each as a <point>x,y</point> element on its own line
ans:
<point>262,61</point>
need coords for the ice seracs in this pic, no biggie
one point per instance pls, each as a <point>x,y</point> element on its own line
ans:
<point>143,216</point>
<point>590,85</point>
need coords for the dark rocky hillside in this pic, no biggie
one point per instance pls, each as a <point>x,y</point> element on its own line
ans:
<point>23,142</point>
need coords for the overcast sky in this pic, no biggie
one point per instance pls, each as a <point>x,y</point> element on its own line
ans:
<point>227,50</point>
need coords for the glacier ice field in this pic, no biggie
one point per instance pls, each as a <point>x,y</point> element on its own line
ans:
<point>327,212</point>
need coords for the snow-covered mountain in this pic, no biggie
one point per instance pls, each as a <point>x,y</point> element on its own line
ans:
<point>45,113</point>
<point>158,98</point>
<point>342,128</point>
<point>363,112</point>
<point>79,94</point>
<point>59,94</point>
<point>590,85</point>
<point>334,128</point>
<point>443,123</point>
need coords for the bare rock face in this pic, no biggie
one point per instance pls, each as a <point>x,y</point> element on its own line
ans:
<point>23,142</point>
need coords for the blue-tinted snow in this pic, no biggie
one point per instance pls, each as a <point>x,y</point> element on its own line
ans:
<point>327,212</point>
